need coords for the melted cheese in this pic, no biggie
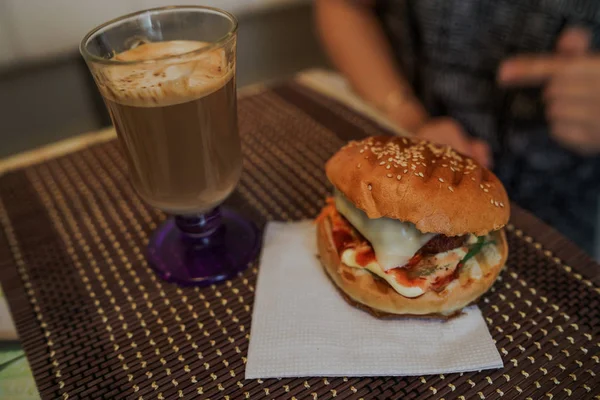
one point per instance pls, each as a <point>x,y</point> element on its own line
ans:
<point>449,259</point>
<point>349,258</point>
<point>394,242</point>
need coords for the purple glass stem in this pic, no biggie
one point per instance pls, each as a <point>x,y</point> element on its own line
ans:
<point>201,226</point>
<point>203,249</point>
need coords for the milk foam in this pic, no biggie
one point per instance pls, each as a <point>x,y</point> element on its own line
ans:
<point>166,82</point>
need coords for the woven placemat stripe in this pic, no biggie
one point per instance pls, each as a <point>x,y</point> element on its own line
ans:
<point>311,190</point>
<point>31,321</point>
<point>56,191</point>
<point>323,143</point>
<point>564,251</point>
<point>336,113</point>
<point>166,379</point>
<point>344,128</point>
<point>128,332</point>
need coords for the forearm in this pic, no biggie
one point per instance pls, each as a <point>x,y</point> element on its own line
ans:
<point>358,47</point>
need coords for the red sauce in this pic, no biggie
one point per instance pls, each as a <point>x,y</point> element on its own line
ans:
<point>364,255</point>
<point>341,238</point>
<point>343,234</point>
<point>441,283</point>
<point>402,278</point>
<point>413,261</point>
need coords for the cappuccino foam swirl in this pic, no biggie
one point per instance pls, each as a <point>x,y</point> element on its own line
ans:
<point>166,82</point>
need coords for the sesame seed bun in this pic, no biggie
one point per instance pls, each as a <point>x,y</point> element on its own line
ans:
<point>431,186</point>
<point>369,292</point>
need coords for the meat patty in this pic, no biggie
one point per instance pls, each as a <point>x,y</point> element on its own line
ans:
<point>442,243</point>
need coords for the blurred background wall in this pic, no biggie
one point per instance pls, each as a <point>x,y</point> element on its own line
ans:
<point>46,92</point>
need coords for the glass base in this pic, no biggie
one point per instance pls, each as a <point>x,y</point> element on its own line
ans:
<point>201,260</point>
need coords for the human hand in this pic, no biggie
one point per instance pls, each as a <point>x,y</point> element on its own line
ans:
<point>572,88</point>
<point>445,130</point>
<point>403,109</point>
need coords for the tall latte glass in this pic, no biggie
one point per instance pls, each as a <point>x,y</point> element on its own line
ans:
<point>167,76</point>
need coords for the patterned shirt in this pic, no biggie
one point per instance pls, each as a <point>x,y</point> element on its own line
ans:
<point>450,51</point>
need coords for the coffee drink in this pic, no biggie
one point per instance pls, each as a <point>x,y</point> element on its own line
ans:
<point>177,123</point>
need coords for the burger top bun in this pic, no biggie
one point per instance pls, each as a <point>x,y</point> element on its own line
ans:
<point>431,186</point>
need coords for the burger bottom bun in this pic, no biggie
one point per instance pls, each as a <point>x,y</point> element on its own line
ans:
<point>367,291</point>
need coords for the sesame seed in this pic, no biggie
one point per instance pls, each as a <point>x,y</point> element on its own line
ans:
<point>481,185</point>
<point>362,151</point>
<point>370,187</point>
<point>389,175</point>
<point>421,175</point>
<point>358,166</point>
<point>491,201</point>
<point>399,177</point>
<point>485,190</point>
<point>441,180</point>
<point>382,163</point>
<point>390,159</point>
<point>473,179</point>
<point>413,167</point>
<point>366,157</point>
<point>501,204</point>
<point>388,166</point>
<point>450,188</point>
<point>405,171</point>
<point>444,165</point>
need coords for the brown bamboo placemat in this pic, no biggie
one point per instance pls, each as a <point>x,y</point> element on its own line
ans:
<point>96,323</point>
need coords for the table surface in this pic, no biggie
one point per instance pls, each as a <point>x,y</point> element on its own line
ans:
<point>70,219</point>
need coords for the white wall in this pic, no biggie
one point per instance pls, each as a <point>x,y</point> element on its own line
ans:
<point>38,29</point>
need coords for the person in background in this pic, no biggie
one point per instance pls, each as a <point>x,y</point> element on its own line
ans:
<point>516,85</point>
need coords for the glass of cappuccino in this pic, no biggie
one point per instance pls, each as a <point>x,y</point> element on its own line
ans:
<point>167,76</point>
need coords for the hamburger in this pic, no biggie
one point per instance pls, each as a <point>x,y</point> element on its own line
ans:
<point>413,228</point>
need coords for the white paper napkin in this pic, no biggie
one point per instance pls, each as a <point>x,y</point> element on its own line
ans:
<point>301,326</point>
